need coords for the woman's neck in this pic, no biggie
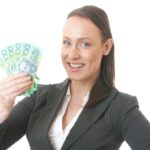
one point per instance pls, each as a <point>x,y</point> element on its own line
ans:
<point>80,88</point>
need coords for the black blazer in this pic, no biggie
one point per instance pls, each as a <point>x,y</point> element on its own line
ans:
<point>104,127</point>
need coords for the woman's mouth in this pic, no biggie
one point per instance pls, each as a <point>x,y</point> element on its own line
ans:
<point>75,67</point>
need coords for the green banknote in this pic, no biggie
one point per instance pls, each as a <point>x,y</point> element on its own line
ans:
<point>21,57</point>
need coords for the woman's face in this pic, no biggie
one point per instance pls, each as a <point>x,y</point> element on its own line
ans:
<point>82,49</point>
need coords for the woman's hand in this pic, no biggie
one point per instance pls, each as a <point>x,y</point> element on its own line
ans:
<point>10,88</point>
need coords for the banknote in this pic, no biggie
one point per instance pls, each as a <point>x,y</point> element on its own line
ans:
<point>21,57</point>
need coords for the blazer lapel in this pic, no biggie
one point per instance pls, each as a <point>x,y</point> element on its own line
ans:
<point>86,119</point>
<point>54,100</point>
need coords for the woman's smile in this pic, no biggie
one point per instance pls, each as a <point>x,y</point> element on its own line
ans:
<point>75,67</point>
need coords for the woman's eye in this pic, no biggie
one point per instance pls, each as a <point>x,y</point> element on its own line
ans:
<point>85,45</point>
<point>66,43</point>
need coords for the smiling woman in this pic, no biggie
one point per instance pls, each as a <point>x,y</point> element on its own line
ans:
<point>84,112</point>
<point>83,48</point>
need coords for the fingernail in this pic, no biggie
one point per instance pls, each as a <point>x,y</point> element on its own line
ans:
<point>30,77</point>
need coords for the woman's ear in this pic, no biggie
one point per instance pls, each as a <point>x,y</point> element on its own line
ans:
<point>107,46</point>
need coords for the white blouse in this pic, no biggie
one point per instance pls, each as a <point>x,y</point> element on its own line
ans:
<point>57,135</point>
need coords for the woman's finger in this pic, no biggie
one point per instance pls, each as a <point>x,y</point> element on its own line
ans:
<point>14,77</point>
<point>16,88</point>
<point>15,82</point>
<point>21,91</point>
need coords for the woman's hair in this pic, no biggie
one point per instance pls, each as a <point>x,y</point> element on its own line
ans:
<point>105,82</point>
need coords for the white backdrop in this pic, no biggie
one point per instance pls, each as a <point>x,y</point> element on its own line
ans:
<point>41,21</point>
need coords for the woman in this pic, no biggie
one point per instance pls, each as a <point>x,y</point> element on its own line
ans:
<point>86,111</point>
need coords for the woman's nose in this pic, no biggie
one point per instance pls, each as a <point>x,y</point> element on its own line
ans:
<point>74,52</point>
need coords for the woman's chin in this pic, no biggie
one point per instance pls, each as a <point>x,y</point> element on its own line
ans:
<point>76,78</point>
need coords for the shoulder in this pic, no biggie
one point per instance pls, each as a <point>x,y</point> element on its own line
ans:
<point>123,107</point>
<point>124,104</point>
<point>125,100</point>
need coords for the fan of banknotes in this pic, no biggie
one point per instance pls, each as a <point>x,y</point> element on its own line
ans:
<point>21,57</point>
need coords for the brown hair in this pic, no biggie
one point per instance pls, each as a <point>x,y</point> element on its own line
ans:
<point>105,82</point>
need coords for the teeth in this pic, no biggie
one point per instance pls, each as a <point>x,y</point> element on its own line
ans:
<point>76,65</point>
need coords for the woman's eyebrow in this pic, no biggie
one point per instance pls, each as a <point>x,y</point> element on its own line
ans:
<point>80,38</point>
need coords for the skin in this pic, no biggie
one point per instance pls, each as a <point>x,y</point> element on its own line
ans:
<point>10,88</point>
<point>82,52</point>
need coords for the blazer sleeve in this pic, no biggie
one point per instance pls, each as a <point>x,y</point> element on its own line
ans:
<point>135,127</point>
<point>15,126</point>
